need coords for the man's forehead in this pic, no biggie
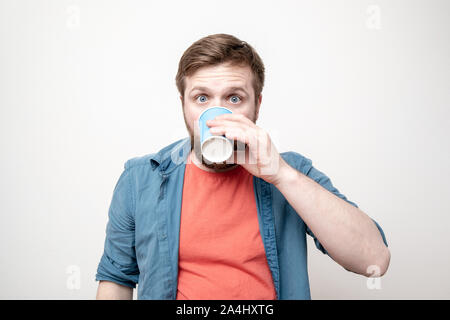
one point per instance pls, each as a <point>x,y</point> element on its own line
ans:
<point>220,78</point>
<point>218,87</point>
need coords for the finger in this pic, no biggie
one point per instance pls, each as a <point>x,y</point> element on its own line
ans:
<point>224,130</point>
<point>235,117</point>
<point>249,154</point>
<point>228,123</point>
<point>244,135</point>
<point>237,134</point>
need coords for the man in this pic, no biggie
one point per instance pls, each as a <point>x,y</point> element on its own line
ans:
<point>185,228</point>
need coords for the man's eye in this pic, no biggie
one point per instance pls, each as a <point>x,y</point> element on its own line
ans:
<point>235,99</point>
<point>201,98</point>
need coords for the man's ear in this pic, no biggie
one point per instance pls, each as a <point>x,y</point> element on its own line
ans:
<point>182,101</point>
<point>258,104</point>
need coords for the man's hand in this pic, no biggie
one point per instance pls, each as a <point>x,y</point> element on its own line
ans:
<point>261,158</point>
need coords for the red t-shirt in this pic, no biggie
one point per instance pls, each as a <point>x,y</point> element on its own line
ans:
<point>221,253</point>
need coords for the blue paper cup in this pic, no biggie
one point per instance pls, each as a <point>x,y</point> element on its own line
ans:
<point>215,148</point>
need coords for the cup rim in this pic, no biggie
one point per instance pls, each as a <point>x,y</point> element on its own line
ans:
<point>215,137</point>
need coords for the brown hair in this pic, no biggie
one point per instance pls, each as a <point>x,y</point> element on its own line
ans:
<point>216,49</point>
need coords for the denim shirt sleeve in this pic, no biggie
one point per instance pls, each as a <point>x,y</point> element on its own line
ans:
<point>118,262</point>
<point>307,168</point>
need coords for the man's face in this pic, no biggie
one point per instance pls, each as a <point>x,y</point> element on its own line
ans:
<point>220,85</point>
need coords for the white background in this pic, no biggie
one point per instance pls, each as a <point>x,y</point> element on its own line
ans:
<point>359,87</point>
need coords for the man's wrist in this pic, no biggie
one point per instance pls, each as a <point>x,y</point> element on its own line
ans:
<point>286,174</point>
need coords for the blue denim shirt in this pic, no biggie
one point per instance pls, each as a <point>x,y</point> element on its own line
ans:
<point>142,233</point>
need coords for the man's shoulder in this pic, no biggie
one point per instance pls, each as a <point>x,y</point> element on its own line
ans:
<point>297,161</point>
<point>143,160</point>
<point>150,159</point>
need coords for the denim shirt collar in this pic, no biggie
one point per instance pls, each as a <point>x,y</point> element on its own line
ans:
<point>169,157</point>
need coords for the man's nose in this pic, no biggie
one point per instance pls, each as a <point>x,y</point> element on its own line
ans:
<point>218,101</point>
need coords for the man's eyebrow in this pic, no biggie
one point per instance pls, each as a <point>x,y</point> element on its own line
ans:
<point>227,89</point>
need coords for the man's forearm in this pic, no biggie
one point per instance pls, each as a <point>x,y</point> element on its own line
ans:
<point>108,290</point>
<point>349,235</point>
